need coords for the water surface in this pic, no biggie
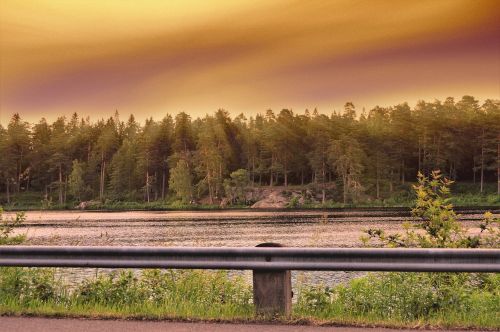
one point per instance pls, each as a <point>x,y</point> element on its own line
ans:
<point>216,229</point>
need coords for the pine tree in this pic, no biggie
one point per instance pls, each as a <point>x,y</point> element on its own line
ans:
<point>181,181</point>
<point>346,156</point>
<point>76,184</point>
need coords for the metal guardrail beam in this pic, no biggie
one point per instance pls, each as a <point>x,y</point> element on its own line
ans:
<point>261,258</point>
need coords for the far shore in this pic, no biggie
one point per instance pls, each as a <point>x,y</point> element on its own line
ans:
<point>217,209</point>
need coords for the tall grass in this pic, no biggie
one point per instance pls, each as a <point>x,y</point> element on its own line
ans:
<point>390,299</point>
<point>152,294</point>
<point>449,300</point>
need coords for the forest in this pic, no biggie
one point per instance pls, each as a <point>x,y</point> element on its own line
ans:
<point>348,155</point>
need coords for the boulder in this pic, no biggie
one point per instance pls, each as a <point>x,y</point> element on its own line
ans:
<point>275,199</point>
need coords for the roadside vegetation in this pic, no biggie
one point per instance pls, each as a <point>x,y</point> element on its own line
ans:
<point>345,158</point>
<point>466,195</point>
<point>443,299</point>
<point>389,299</point>
<point>466,300</point>
<point>153,294</point>
<point>7,225</point>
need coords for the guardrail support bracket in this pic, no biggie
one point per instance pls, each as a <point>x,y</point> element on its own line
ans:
<point>272,290</point>
<point>272,293</point>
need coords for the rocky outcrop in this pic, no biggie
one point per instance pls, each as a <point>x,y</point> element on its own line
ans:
<point>82,205</point>
<point>272,199</point>
<point>280,197</point>
<point>87,205</point>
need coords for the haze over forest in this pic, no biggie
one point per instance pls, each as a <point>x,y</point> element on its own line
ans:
<point>218,156</point>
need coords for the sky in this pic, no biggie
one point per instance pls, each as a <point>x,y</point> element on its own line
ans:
<point>153,57</point>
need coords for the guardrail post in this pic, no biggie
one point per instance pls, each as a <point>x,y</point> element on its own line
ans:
<point>272,290</point>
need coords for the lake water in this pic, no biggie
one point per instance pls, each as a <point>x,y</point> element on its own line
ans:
<point>245,228</point>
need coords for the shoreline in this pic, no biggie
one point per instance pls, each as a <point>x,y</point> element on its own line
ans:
<point>215,209</point>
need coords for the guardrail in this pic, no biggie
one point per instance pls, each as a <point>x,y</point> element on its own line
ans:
<point>257,258</point>
<point>271,264</point>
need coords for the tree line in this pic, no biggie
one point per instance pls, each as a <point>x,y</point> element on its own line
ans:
<point>216,156</point>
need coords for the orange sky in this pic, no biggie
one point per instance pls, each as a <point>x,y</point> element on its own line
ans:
<point>155,57</point>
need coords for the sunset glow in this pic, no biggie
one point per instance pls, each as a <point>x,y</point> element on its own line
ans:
<point>156,57</point>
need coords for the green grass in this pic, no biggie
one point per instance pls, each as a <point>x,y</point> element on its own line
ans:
<point>464,195</point>
<point>389,299</point>
<point>154,294</point>
<point>410,299</point>
<point>27,202</point>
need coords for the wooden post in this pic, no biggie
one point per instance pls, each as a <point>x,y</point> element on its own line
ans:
<point>272,290</point>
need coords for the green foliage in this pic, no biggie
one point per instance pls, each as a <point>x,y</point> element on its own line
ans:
<point>7,226</point>
<point>181,181</point>
<point>170,293</point>
<point>294,202</point>
<point>400,299</point>
<point>367,157</point>
<point>235,186</point>
<point>46,203</point>
<point>29,285</point>
<point>452,299</point>
<point>438,226</point>
<point>124,181</point>
<point>111,289</point>
<point>76,183</point>
<point>346,157</point>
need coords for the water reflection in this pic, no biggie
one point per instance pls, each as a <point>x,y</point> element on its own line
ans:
<point>215,229</point>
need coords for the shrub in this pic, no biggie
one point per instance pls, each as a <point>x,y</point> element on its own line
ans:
<point>294,202</point>
<point>27,285</point>
<point>406,297</point>
<point>438,221</point>
<point>7,226</point>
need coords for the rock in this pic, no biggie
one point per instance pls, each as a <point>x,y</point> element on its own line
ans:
<point>82,205</point>
<point>275,199</point>
<point>87,204</point>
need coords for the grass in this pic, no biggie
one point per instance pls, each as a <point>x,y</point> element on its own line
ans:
<point>464,195</point>
<point>408,299</point>
<point>21,203</point>
<point>154,294</point>
<point>459,200</point>
<point>388,299</point>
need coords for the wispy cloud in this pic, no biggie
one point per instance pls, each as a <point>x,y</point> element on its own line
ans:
<point>153,57</point>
